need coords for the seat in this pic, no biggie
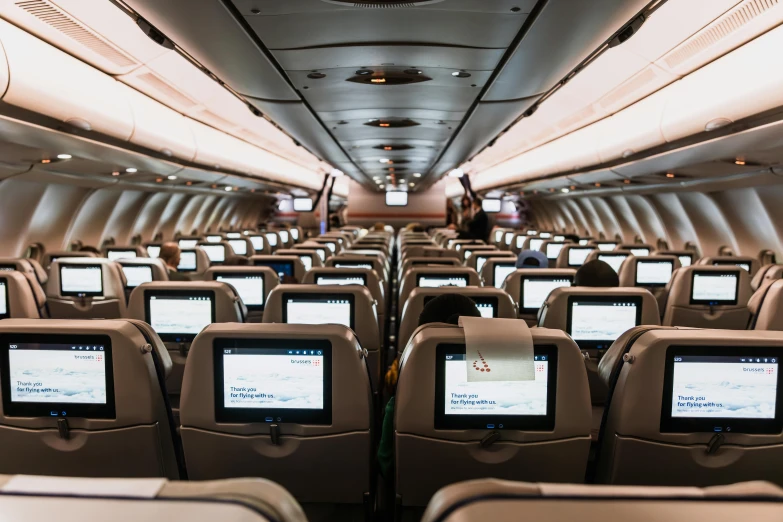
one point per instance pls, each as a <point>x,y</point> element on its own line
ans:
<point>573,255</point>
<point>637,249</point>
<point>142,270</point>
<point>20,298</point>
<point>411,262</point>
<point>503,501</point>
<point>476,262</point>
<point>51,257</point>
<point>321,455</point>
<point>766,273</point>
<point>692,407</point>
<point>350,305</point>
<point>178,311</point>
<point>719,297</point>
<point>252,283</point>
<point>35,275</point>
<point>552,250</point>
<point>259,243</point>
<point>433,277</point>
<point>217,252</point>
<point>433,451</point>
<point>492,302</point>
<point>432,252</point>
<point>310,258</point>
<point>153,500</point>
<point>290,266</point>
<point>529,288</point>
<point>495,269</point>
<point>86,288</point>
<point>361,261</point>
<point>751,264</point>
<point>242,246</point>
<point>193,262</point>
<point>117,252</point>
<point>613,258</point>
<point>90,399</point>
<point>686,257</point>
<point>650,272</point>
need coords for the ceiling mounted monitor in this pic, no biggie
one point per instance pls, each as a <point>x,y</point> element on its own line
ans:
<point>303,204</point>
<point>396,199</point>
<point>491,205</point>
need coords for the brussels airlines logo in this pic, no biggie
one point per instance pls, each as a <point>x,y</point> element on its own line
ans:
<point>768,371</point>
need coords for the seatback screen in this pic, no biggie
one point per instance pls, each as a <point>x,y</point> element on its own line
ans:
<point>4,312</point>
<point>215,253</point>
<point>239,246</point>
<point>481,259</point>
<point>559,238</point>
<point>578,256</point>
<point>487,305</point>
<point>136,275</point>
<point>250,287</point>
<point>233,235</point>
<point>532,232</point>
<point>307,261</point>
<point>716,288</point>
<point>744,266</point>
<point>214,239</point>
<point>553,250</point>
<point>187,261</point>
<point>508,238</point>
<point>526,405</point>
<point>597,321</point>
<point>653,273</point>
<point>520,241</point>
<point>356,264</point>
<point>179,315</point>
<point>187,243</point>
<point>686,260</point>
<point>283,268</point>
<point>436,281</point>
<point>258,242</point>
<point>283,235</point>
<point>319,309</point>
<point>606,247</point>
<point>81,280</point>
<point>535,289</point>
<point>57,376</point>
<point>295,234</point>
<point>498,236</point>
<point>273,380</point>
<point>114,255</point>
<point>583,242</point>
<point>7,268</point>
<point>271,238</point>
<point>153,251</point>
<point>613,260</point>
<point>341,280</point>
<point>502,270</point>
<point>545,235</point>
<point>535,244</point>
<point>640,252</point>
<point>722,389</point>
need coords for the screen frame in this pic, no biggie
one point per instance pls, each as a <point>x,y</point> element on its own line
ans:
<point>600,344</point>
<point>4,283</point>
<point>320,297</point>
<point>268,415</point>
<point>708,302</point>
<point>148,267</point>
<point>350,275</point>
<point>669,424</point>
<point>81,294</point>
<point>195,253</point>
<point>537,278</point>
<point>658,285</point>
<point>442,275</point>
<point>244,275</point>
<point>442,421</point>
<point>42,409</point>
<point>386,198</point>
<point>176,337</point>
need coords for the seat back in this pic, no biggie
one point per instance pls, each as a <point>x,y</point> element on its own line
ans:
<point>193,262</point>
<point>491,302</point>
<point>360,261</point>
<point>705,296</point>
<point>142,270</point>
<point>290,266</point>
<point>637,249</point>
<point>51,257</point>
<point>427,276</point>
<point>573,255</point>
<point>650,272</point>
<point>528,243</point>
<point>552,250</point>
<point>766,273</point>
<point>242,246</point>
<point>350,305</point>
<point>529,288</point>
<point>412,261</point>
<point>347,276</point>
<point>273,242</point>
<point>117,252</point>
<point>495,269</point>
<point>217,252</point>
<point>252,283</point>
<point>333,442</point>
<point>85,390</point>
<point>19,297</point>
<point>614,258</point>
<point>32,271</point>
<point>86,288</point>
<point>750,264</point>
<point>178,311</point>
<point>694,407</point>
<point>550,447</point>
<point>310,258</point>
<point>259,244</point>
<point>685,257</point>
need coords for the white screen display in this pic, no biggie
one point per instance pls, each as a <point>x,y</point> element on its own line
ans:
<point>3,303</point>
<point>233,235</point>
<point>321,253</point>
<point>353,265</point>
<point>494,398</point>
<point>187,261</point>
<point>498,236</point>
<point>606,247</point>
<point>744,266</point>
<point>491,205</point>
<point>486,310</point>
<point>271,238</point>
<point>535,244</point>
<point>532,233</point>
<point>250,288</point>
<point>307,261</point>
<point>179,315</point>
<point>640,252</point>
<point>545,235</point>
<point>396,199</point>
<point>553,250</point>
<point>153,251</point>
<point>334,311</point>
<point>520,241</point>
<point>535,291</point>
<point>258,242</point>
<point>303,205</point>
<point>331,246</point>
<point>501,272</point>
<point>81,279</point>
<point>280,380</point>
<point>214,239</point>
<point>438,281</point>
<point>724,387</point>
<point>653,272</point>
<point>717,287</point>
<point>583,242</point>
<point>215,253</point>
<point>508,238</point>
<point>345,280</point>
<point>601,321</point>
<point>58,374</point>
<point>114,255</point>
<point>283,236</point>
<point>188,243</point>
<point>685,260</point>
<point>295,234</point>
<point>614,261</point>
<point>136,275</point>
<point>559,238</point>
<point>239,246</point>
<point>577,256</point>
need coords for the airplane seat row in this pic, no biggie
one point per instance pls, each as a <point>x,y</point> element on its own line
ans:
<point>85,288</point>
<point>20,298</point>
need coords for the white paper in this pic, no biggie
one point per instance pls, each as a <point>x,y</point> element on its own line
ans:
<point>498,350</point>
<point>85,487</point>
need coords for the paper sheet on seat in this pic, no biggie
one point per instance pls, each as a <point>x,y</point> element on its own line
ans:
<point>498,349</point>
<point>82,487</point>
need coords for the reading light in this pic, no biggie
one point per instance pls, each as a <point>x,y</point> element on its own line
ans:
<point>411,184</point>
<point>131,170</point>
<point>736,162</point>
<point>456,173</point>
<point>669,175</point>
<point>172,177</point>
<point>384,124</point>
<point>228,189</point>
<point>388,148</point>
<point>597,184</point>
<point>188,183</point>
<point>115,173</point>
<point>45,161</point>
<point>627,181</point>
<point>378,80</point>
<point>64,156</point>
<point>381,186</point>
<point>158,180</point>
<point>417,174</point>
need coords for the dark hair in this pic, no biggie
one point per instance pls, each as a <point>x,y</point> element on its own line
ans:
<point>448,308</point>
<point>91,249</point>
<point>531,261</point>
<point>236,261</point>
<point>477,201</point>
<point>596,273</point>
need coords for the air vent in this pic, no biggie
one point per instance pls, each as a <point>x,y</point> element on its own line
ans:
<point>167,90</point>
<point>382,4</point>
<point>213,119</point>
<point>574,120</point>
<point>628,88</point>
<point>724,27</point>
<point>57,19</point>
<point>382,79</point>
<point>392,123</point>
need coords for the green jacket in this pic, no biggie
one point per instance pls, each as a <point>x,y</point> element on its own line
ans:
<point>386,447</point>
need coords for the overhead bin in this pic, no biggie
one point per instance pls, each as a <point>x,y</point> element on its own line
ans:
<point>159,128</point>
<point>633,129</point>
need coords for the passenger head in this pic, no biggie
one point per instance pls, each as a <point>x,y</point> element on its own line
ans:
<point>411,226</point>
<point>379,227</point>
<point>169,254</point>
<point>465,202</point>
<point>476,204</point>
<point>571,237</point>
<point>90,249</point>
<point>532,259</point>
<point>448,308</point>
<point>598,274</point>
<point>236,261</point>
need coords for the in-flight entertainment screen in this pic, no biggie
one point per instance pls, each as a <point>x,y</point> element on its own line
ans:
<point>502,270</point>
<point>578,256</point>
<point>81,280</point>
<point>535,289</point>
<point>716,288</point>
<point>239,246</point>
<point>187,261</point>
<point>613,260</point>
<point>114,255</point>
<point>137,274</point>
<point>653,273</point>
<point>179,315</point>
<point>215,253</point>
<point>435,280</point>
<point>319,309</point>
<point>250,287</point>
<point>597,321</point>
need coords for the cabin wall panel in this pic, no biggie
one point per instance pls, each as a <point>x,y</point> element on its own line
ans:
<point>168,217</point>
<point>207,206</point>
<point>123,216</point>
<point>366,207</point>
<point>147,221</point>
<point>56,214</point>
<point>90,221</point>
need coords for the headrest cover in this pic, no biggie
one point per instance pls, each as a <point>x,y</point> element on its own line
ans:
<point>497,349</point>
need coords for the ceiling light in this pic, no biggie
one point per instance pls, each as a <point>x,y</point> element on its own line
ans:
<point>411,184</point>
<point>131,170</point>
<point>336,173</point>
<point>381,186</point>
<point>417,174</point>
<point>460,74</point>
<point>388,177</point>
<point>64,156</point>
<point>172,177</point>
<point>384,160</point>
<point>564,190</point>
<point>378,80</point>
<point>115,173</point>
<point>739,161</point>
<point>456,173</point>
<point>669,175</point>
<point>45,161</point>
<point>228,189</point>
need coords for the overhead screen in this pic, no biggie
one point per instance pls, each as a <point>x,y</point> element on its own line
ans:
<point>722,389</point>
<point>57,376</point>
<point>613,260</point>
<point>81,280</point>
<point>273,380</point>
<point>597,321</point>
<point>137,274</point>
<point>436,280</point>
<point>714,288</point>
<point>250,287</point>
<point>653,273</point>
<point>179,315</point>
<point>502,270</point>
<point>153,251</point>
<point>187,261</point>
<point>239,246</point>
<point>114,255</point>
<point>535,289</point>
<point>491,205</point>
<point>215,253</point>
<point>396,199</point>
<point>319,309</point>
<point>521,405</point>
<point>303,204</point>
